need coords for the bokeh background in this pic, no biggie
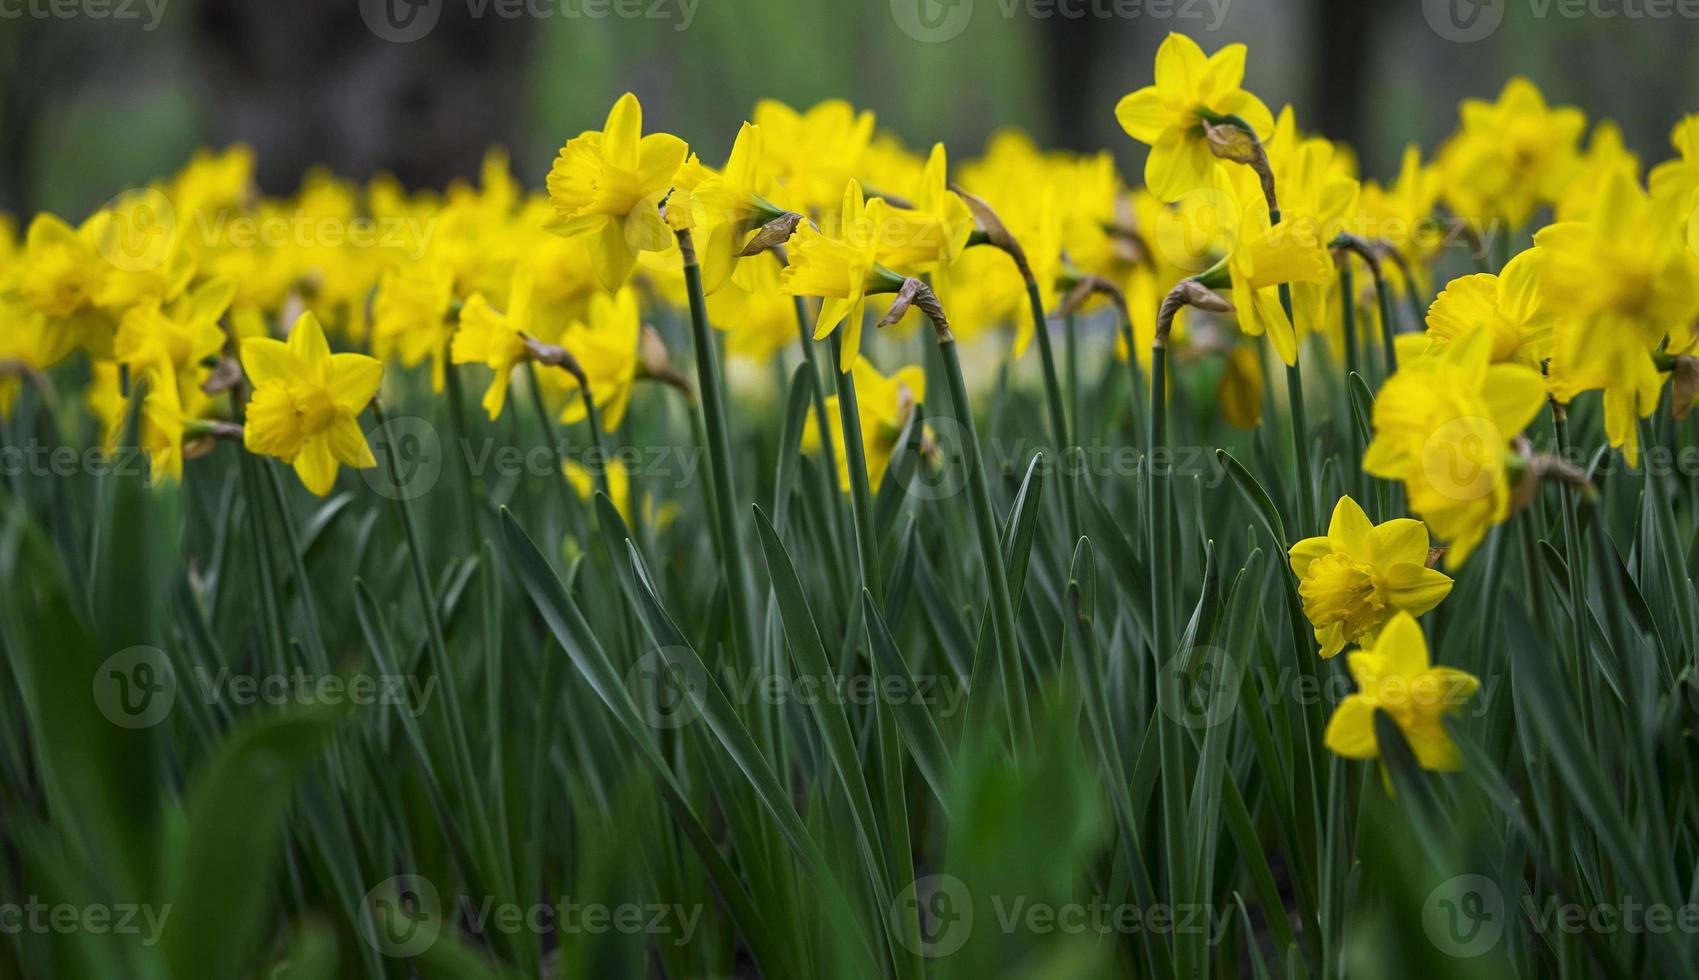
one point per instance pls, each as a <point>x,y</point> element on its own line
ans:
<point>103,94</point>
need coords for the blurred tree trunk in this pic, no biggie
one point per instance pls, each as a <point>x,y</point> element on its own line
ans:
<point>1343,33</point>
<point>308,82</point>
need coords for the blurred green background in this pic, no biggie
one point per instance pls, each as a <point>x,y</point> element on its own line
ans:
<point>120,91</point>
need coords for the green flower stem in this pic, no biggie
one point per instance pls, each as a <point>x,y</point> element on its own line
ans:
<point>1300,433</point>
<point>990,548</point>
<point>1388,331</point>
<point>1053,395</point>
<point>719,453</point>
<point>822,419</point>
<point>1348,313</point>
<point>1585,681</point>
<point>855,455</point>
<point>1168,661</point>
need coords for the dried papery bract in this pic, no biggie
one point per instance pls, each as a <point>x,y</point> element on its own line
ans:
<point>1187,292</point>
<point>1236,143</point>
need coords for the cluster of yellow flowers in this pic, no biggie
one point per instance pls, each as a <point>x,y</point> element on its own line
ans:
<point>170,287</point>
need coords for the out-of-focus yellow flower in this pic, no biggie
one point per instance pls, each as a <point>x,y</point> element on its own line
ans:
<point>1507,306</point>
<point>1623,279</point>
<point>306,402</point>
<point>26,344</point>
<point>605,346</point>
<point>180,336</point>
<point>1509,156</point>
<point>1318,200</point>
<point>812,154</point>
<point>163,420</point>
<point>1239,391</point>
<point>1402,214</point>
<point>1396,676</point>
<point>619,490</point>
<point>214,179</point>
<point>495,340</point>
<point>1020,185</point>
<point>1443,425</point>
<point>139,235</point>
<point>1358,575</point>
<point>1167,116</point>
<point>1605,156</point>
<point>607,186</point>
<point>884,405</point>
<point>758,319</point>
<point>410,316</point>
<point>1264,256</point>
<point>837,268</point>
<point>58,278</point>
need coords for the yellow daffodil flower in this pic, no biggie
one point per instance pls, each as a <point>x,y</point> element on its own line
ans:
<point>1624,279</point>
<point>758,319</point>
<point>1396,676</point>
<point>812,154</point>
<point>1402,214</point>
<point>180,336</point>
<point>1507,306</point>
<point>306,401</point>
<point>1509,156</point>
<point>931,233</point>
<point>1264,256</point>
<point>607,186</point>
<point>1606,155</point>
<point>1166,115</point>
<point>496,340</point>
<point>884,405</point>
<point>1358,575</point>
<point>837,269</point>
<point>605,346</point>
<point>59,277</point>
<point>1443,425</point>
<point>410,316</point>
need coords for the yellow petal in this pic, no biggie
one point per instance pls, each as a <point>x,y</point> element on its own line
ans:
<point>1178,163</point>
<point>316,466</point>
<point>1416,589</point>
<point>623,132</point>
<point>1402,647</point>
<point>1350,529</point>
<point>1401,540</point>
<point>1307,551</point>
<point>1145,115</point>
<point>1351,730</point>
